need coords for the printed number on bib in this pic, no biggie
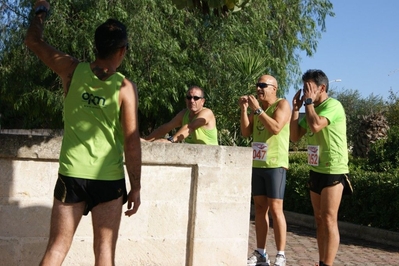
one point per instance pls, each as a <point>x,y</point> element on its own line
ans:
<point>259,151</point>
<point>313,155</point>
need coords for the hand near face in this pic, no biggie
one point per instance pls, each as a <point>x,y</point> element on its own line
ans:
<point>310,90</point>
<point>243,102</point>
<point>253,102</point>
<point>297,101</point>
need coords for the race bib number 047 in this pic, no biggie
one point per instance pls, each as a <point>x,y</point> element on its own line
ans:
<point>313,155</point>
<point>259,151</point>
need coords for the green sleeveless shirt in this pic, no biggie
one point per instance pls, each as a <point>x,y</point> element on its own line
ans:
<point>92,146</point>
<point>200,135</point>
<point>269,150</point>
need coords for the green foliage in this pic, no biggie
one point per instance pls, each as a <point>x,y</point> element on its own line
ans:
<point>392,112</point>
<point>246,67</point>
<point>375,201</point>
<point>384,154</point>
<point>171,50</point>
<point>31,94</point>
<point>219,7</point>
<point>300,145</point>
<point>355,107</point>
<point>297,198</point>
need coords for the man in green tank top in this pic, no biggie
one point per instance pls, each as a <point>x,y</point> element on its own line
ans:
<point>324,125</point>
<point>197,123</point>
<point>268,123</point>
<point>100,125</point>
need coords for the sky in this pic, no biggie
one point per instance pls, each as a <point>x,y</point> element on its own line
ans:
<point>360,47</point>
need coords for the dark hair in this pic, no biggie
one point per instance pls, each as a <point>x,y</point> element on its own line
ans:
<point>318,76</point>
<point>198,88</point>
<point>109,37</point>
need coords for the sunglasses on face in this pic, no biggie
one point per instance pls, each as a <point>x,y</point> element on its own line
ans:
<point>263,85</point>
<point>196,98</point>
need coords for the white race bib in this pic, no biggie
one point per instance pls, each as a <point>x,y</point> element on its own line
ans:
<point>313,155</point>
<point>259,151</point>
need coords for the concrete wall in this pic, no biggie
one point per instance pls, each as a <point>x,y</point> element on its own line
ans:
<point>195,205</point>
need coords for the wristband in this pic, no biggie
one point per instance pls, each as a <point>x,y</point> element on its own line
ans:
<point>258,111</point>
<point>308,101</point>
<point>171,139</point>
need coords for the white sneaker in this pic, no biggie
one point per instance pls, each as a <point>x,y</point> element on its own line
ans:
<point>280,260</point>
<point>258,259</point>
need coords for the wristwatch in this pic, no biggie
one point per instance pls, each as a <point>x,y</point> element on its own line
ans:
<point>258,111</point>
<point>308,101</point>
<point>171,139</point>
<point>41,9</point>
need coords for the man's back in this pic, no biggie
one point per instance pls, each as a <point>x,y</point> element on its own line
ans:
<point>92,146</point>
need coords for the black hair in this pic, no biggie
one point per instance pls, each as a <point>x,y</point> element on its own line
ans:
<point>198,88</point>
<point>318,76</point>
<point>109,37</point>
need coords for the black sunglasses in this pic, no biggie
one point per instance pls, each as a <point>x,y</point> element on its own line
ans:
<point>263,85</point>
<point>196,98</point>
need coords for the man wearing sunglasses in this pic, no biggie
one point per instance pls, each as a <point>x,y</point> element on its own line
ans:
<point>100,124</point>
<point>324,126</point>
<point>268,123</point>
<point>197,123</point>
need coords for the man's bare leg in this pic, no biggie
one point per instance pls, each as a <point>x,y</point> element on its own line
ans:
<point>261,220</point>
<point>315,199</point>
<point>279,223</point>
<point>106,219</point>
<point>325,208</point>
<point>65,218</point>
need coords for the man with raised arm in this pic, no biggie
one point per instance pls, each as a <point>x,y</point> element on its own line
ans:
<point>268,123</point>
<point>324,126</point>
<point>100,125</point>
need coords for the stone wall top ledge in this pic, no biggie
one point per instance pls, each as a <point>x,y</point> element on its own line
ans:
<point>47,146</point>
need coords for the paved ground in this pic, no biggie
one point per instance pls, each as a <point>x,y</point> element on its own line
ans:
<point>301,249</point>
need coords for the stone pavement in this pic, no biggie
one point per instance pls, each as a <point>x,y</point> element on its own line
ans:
<point>301,248</point>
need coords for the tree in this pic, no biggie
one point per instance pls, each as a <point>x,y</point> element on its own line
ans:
<point>356,107</point>
<point>216,7</point>
<point>392,111</point>
<point>31,92</point>
<point>171,50</point>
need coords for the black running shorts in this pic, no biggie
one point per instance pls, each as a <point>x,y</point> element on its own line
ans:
<point>93,192</point>
<point>318,181</point>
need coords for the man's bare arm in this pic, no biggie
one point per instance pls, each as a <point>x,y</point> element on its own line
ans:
<point>245,119</point>
<point>61,63</point>
<point>296,131</point>
<point>132,144</point>
<point>315,122</point>
<point>280,118</point>
<point>161,131</point>
<point>202,119</point>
